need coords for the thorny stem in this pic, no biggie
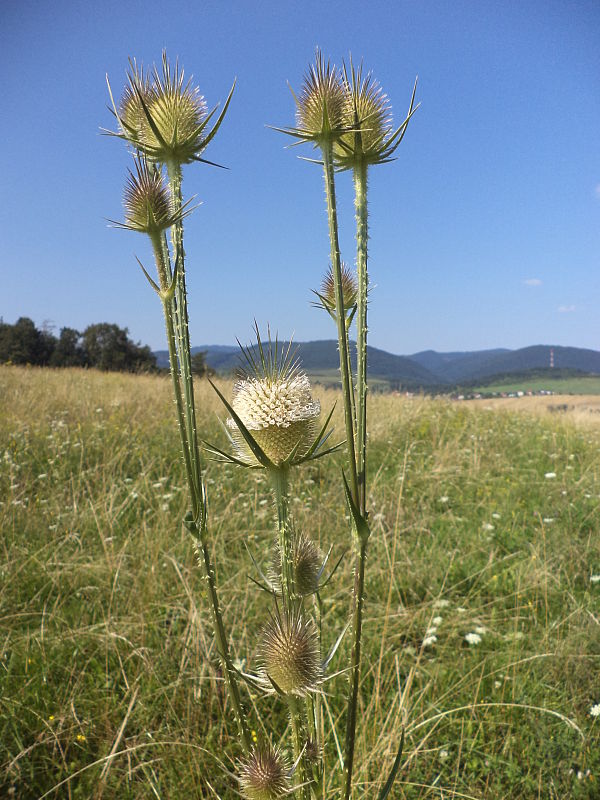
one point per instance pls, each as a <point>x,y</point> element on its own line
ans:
<point>299,737</point>
<point>175,179</point>
<point>347,387</point>
<point>362,238</point>
<point>279,481</point>
<point>298,713</point>
<point>222,643</point>
<point>359,585</point>
<point>176,318</point>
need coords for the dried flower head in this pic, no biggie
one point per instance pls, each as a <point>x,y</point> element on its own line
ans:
<point>289,653</point>
<point>165,117</point>
<point>274,402</point>
<point>369,137</point>
<point>307,561</point>
<point>349,289</point>
<point>264,775</point>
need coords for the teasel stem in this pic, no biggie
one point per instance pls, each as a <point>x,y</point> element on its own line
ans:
<point>362,236</point>
<point>343,345</point>
<point>299,739</point>
<point>176,318</point>
<point>357,609</point>
<point>222,642</point>
<point>279,481</point>
<point>182,324</point>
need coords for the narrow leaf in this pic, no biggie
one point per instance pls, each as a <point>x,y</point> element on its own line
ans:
<point>387,787</point>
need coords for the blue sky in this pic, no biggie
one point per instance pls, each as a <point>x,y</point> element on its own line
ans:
<point>484,233</point>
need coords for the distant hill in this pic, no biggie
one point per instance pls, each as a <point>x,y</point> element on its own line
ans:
<point>429,369</point>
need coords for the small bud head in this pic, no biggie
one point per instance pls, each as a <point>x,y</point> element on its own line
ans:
<point>146,200</point>
<point>306,560</point>
<point>290,653</point>
<point>349,288</point>
<point>264,775</point>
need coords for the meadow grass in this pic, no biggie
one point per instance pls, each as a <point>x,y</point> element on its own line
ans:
<point>484,522</point>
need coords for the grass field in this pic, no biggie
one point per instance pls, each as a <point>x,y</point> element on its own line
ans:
<point>485,522</point>
<point>586,385</point>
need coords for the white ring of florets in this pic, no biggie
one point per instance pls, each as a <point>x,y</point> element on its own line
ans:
<point>261,403</point>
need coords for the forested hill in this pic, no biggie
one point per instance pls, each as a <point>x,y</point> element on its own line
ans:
<point>425,369</point>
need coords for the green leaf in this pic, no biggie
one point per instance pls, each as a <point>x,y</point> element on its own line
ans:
<point>387,787</point>
<point>360,523</point>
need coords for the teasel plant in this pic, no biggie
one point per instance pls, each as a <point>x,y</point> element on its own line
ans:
<point>275,425</point>
<point>346,116</point>
<point>166,124</point>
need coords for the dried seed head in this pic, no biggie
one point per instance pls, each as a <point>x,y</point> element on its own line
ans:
<point>279,411</point>
<point>146,200</point>
<point>264,775</point>
<point>321,104</point>
<point>290,653</point>
<point>349,288</point>
<point>306,560</point>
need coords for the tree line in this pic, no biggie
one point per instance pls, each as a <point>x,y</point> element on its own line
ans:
<point>104,346</point>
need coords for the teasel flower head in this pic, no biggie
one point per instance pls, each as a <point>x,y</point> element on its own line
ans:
<point>289,653</point>
<point>264,775</point>
<point>369,137</point>
<point>307,561</point>
<point>164,116</point>
<point>274,420</point>
<point>326,294</point>
<point>147,201</point>
<point>320,105</point>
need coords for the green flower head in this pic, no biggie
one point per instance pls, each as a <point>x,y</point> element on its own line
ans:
<point>164,116</point>
<point>369,137</point>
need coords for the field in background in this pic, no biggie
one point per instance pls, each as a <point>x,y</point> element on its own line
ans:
<point>589,385</point>
<point>485,529</point>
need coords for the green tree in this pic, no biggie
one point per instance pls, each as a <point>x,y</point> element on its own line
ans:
<point>199,365</point>
<point>23,343</point>
<point>68,351</point>
<point>108,347</point>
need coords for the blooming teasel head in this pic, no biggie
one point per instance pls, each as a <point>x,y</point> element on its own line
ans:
<point>264,775</point>
<point>369,137</point>
<point>274,419</point>
<point>289,652</point>
<point>165,117</point>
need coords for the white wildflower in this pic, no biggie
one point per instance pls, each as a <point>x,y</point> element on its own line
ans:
<point>595,710</point>
<point>594,578</point>
<point>429,640</point>
<point>550,475</point>
<point>472,638</point>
